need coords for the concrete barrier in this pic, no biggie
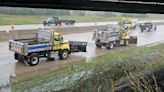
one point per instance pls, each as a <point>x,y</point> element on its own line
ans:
<point>7,69</point>
<point>4,36</point>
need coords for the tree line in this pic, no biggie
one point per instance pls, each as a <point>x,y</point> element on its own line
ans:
<point>32,11</point>
<point>57,12</point>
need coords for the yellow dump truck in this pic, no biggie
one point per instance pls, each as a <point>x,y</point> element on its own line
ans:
<point>44,44</point>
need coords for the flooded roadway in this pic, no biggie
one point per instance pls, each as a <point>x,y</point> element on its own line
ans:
<point>24,71</point>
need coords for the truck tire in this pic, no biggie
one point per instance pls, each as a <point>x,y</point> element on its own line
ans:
<point>126,42</point>
<point>16,56</point>
<point>110,46</point>
<point>141,30</point>
<point>33,59</point>
<point>63,54</point>
<point>49,24</point>
<point>155,28</point>
<point>21,58</point>
<point>44,24</point>
<point>97,43</point>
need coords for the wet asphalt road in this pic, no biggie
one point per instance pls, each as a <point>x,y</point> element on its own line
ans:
<point>44,67</point>
<point>36,26</point>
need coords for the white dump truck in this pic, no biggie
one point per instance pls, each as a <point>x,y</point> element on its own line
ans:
<point>111,36</point>
<point>29,50</point>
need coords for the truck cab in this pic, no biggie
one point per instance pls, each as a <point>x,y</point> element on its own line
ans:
<point>52,20</point>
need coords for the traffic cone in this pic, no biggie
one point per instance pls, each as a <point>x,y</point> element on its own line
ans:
<point>95,23</point>
<point>62,24</point>
<point>12,26</point>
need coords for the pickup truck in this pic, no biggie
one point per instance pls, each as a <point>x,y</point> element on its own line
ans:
<point>148,26</point>
<point>57,21</point>
<point>46,42</point>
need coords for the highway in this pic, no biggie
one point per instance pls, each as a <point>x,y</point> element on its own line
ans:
<point>44,66</point>
<point>36,26</point>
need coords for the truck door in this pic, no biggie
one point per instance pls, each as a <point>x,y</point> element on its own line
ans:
<point>57,39</point>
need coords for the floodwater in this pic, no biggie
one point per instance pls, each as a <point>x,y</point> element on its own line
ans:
<point>24,71</point>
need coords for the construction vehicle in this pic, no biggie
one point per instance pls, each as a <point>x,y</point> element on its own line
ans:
<point>44,44</point>
<point>57,21</point>
<point>147,26</point>
<point>129,23</point>
<point>111,37</point>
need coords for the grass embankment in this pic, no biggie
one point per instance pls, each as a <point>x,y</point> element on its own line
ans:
<point>106,72</point>
<point>20,19</point>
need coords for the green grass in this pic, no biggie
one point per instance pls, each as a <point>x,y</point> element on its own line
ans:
<point>20,19</point>
<point>105,70</point>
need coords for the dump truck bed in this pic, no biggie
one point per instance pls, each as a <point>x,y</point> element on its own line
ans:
<point>25,46</point>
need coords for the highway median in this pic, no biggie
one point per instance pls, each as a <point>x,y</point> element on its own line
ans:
<point>15,34</point>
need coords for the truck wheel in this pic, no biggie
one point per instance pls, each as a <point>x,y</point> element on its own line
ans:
<point>19,57</point>
<point>126,42</point>
<point>34,59</point>
<point>48,24</point>
<point>63,54</point>
<point>155,28</point>
<point>16,56</point>
<point>110,46</point>
<point>98,44</point>
<point>148,30</point>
